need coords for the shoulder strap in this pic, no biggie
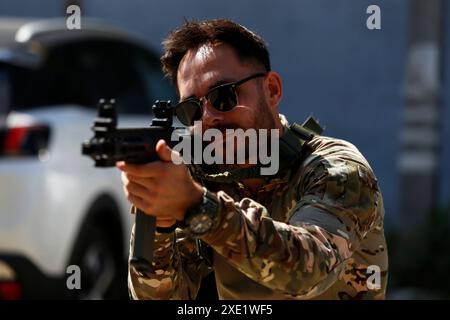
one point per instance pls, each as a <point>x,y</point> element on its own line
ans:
<point>293,140</point>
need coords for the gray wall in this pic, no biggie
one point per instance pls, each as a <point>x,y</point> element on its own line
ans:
<point>332,66</point>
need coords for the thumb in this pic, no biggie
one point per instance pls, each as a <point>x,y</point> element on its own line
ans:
<point>165,153</point>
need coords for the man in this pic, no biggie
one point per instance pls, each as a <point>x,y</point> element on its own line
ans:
<point>312,231</point>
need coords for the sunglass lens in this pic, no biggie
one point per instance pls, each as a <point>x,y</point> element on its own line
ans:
<point>223,98</point>
<point>188,112</point>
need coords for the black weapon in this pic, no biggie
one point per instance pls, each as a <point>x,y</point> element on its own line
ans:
<point>133,145</point>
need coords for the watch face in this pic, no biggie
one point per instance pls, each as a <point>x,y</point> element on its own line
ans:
<point>201,223</point>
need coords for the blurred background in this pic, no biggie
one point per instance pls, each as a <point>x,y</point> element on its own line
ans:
<point>385,90</point>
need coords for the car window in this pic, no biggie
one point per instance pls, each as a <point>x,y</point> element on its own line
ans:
<point>157,87</point>
<point>4,95</point>
<point>83,72</point>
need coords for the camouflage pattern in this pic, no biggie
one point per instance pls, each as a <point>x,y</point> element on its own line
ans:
<point>309,234</point>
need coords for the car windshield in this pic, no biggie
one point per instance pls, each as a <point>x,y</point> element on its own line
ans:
<point>81,73</point>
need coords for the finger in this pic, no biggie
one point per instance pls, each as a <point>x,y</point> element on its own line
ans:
<point>128,180</point>
<point>166,218</point>
<point>148,170</point>
<point>165,153</point>
<point>120,164</point>
<point>138,190</point>
<point>140,204</point>
<point>165,223</point>
<point>149,183</point>
<point>124,178</point>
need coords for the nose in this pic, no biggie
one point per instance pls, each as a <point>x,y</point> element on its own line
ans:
<point>210,117</point>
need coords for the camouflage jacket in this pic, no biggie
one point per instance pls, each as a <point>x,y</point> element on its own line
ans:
<point>315,232</point>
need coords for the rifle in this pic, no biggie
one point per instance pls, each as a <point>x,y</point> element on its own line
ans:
<point>132,145</point>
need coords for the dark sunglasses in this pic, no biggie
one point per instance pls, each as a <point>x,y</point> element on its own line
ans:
<point>223,98</point>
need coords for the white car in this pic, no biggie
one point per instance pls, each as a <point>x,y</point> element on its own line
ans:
<point>56,209</point>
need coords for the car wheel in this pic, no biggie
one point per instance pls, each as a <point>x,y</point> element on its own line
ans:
<point>103,271</point>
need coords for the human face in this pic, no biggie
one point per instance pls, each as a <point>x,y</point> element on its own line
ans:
<point>207,67</point>
<point>211,65</point>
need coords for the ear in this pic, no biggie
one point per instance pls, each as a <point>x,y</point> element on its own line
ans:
<point>274,88</point>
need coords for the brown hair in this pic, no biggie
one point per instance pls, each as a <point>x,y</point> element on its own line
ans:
<point>249,46</point>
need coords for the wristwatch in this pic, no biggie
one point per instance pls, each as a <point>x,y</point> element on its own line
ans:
<point>200,219</point>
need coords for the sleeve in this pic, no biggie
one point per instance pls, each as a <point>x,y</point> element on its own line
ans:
<point>336,205</point>
<point>177,269</point>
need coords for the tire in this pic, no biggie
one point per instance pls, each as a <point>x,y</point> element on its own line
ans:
<point>103,271</point>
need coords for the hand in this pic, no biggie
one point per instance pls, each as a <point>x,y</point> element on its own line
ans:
<point>161,188</point>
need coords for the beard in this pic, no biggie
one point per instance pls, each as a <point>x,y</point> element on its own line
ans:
<point>262,119</point>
